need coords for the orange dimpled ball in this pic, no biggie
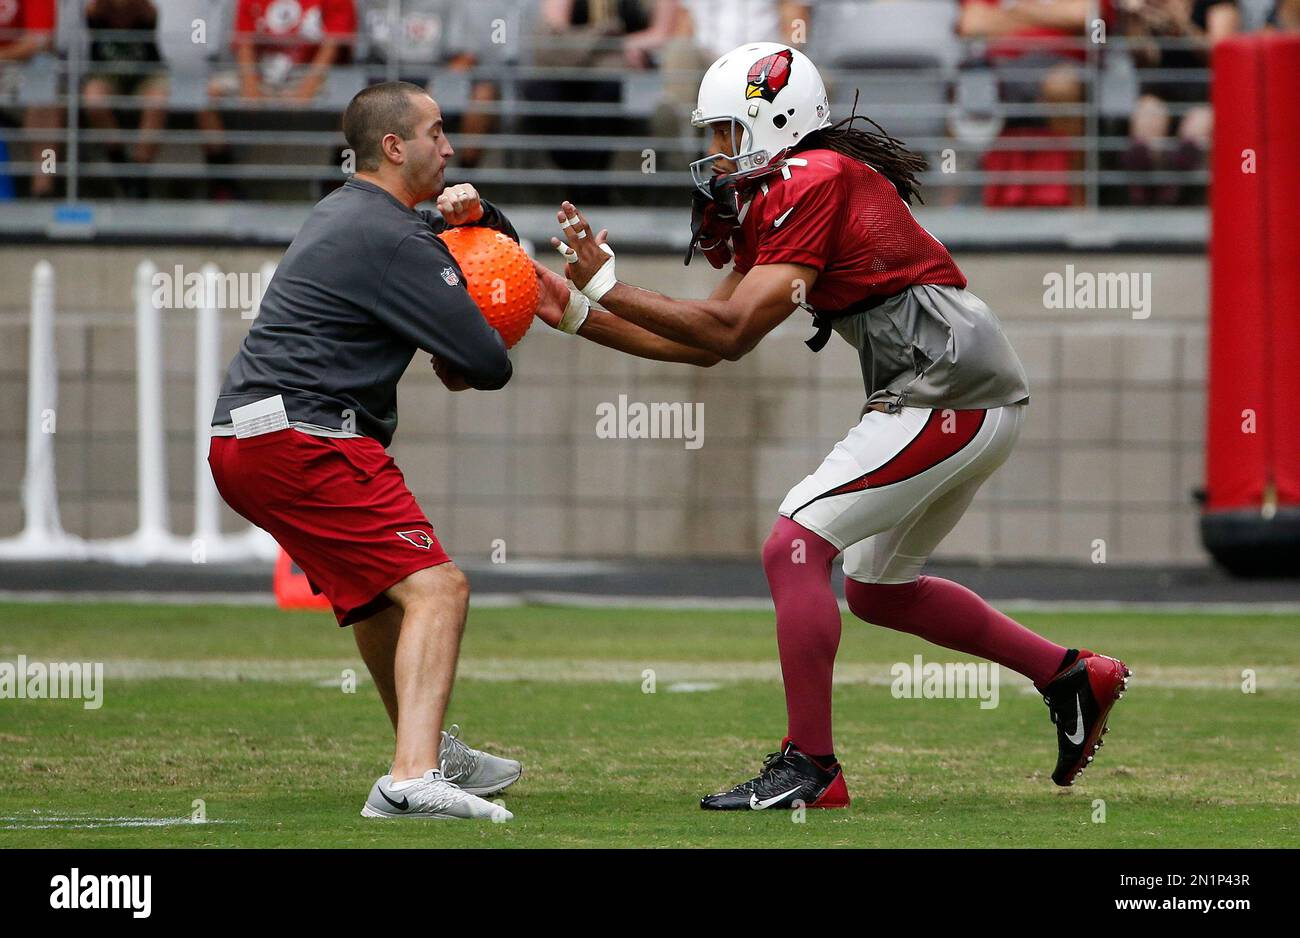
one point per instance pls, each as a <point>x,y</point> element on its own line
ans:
<point>499,276</point>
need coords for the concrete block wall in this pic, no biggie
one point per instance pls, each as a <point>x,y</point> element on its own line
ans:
<point>1111,450</point>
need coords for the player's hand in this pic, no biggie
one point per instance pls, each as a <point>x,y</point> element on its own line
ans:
<point>450,378</point>
<point>460,204</point>
<point>711,230</point>
<point>589,261</point>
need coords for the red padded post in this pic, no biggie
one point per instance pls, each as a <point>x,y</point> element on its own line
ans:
<point>1251,521</point>
<point>1282,185</point>
<point>1235,461</point>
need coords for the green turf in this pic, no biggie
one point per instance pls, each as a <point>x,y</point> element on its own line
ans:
<point>281,759</point>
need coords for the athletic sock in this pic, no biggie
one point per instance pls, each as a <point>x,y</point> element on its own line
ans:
<point>826,762</point>
<point>1071,656</point>
<point>950,615</point>
<point>798,567</point>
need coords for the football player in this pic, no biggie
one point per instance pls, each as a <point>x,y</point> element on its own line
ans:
<point>815,215</point>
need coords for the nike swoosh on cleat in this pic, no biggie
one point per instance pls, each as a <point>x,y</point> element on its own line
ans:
<point>757,805</point>
<point>782,217</point>
<point>404,806</point>
<point>1077,736</point>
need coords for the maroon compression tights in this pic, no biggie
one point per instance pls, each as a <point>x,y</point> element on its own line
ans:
<point>798,567</point>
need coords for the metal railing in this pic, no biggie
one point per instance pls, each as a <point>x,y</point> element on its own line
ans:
<point>630,148</point>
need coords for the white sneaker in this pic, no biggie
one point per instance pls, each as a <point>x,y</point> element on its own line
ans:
<point>478,773</point>
<point>431,796</point>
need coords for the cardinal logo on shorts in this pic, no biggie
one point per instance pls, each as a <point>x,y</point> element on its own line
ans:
<point>417,538</point>
<point>450,276</point>
<point>769,75</point>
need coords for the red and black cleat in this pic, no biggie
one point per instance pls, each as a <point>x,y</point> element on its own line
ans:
<point>790,779</point>
<point>1079,699</point>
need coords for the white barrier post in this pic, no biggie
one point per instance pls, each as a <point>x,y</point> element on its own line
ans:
<point>152,540</point>
<point>40,487</point>
<point>42,536</point>
<point>151,444</point>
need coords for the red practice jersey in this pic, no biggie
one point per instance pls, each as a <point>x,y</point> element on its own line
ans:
<point>35,16</point>
<point>295,28</point>
<point>837,214</point>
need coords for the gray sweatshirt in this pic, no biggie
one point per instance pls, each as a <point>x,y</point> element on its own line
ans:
<point>364,285</point>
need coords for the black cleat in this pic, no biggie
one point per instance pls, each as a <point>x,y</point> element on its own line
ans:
<point>790,779</point>
<point>1079,700</point>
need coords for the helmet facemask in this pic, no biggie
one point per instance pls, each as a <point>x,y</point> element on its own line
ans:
<point>746,161</point>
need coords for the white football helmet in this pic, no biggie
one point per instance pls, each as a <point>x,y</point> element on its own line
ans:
<point>771,93</point>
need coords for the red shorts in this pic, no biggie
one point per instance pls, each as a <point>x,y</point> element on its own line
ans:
<point>339,507</point>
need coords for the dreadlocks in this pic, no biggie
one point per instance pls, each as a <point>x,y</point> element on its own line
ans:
<point>887,155</point>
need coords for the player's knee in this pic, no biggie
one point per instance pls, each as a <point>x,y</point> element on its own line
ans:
<point>792,545</point>
<point>777,549</point>
<point>878,603</point>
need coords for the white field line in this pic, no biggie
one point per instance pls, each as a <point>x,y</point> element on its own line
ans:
<point>328,672</point>
<point>42,822</point>
<point>590,601</point>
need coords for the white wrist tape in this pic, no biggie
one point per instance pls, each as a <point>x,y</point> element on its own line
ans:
<point>602,280</point>
<point>575,313</point>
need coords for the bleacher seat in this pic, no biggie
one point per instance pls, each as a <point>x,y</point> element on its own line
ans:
<point>901,55</point>
<point>40,81</point>
<point>189,64</point>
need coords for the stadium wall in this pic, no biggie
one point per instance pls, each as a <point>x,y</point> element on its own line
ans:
<point>1111,451</point>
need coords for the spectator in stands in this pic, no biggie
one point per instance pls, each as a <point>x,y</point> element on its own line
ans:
<point>427,37</point>
<point>122,66</point>
<point>703,31</point>
<point>1146,24</point>
<point>1046,36</point>
<point>606,34</point>
<point>27,31</point>
<point>284,50</point>
<point>1285,16</point>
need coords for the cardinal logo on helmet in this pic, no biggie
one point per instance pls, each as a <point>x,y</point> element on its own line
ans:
<point>769,75</point>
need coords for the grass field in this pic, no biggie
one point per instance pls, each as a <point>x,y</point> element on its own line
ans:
<point>242,707</point>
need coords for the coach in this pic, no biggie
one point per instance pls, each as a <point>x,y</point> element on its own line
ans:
<point>309,406</point>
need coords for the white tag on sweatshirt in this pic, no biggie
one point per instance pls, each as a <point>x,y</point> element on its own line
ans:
<point>259,417</point>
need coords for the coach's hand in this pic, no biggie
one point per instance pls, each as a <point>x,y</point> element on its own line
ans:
<point>589,261</point>
<point>554,295</point>
<point>460,204</point>
<point>448,376</point>
<point>560,306</point>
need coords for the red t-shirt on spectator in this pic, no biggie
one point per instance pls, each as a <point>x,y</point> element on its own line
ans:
<point>1039,38</point>
<point>35,16</point>
<point>305,20</point>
